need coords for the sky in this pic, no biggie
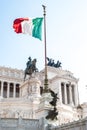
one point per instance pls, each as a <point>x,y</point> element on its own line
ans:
<point>66,36</point>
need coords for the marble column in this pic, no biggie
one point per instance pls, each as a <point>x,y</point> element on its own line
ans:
<point>60,93</point>
<point>65,94</point>
<point>76,95</point>
<point>8,90</point>
<point>14,91</point>
<point>2,88</point>
<point>70,94</point>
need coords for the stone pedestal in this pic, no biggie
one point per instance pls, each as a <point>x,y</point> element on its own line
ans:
<point>31,88</point>
<point>44,105</point>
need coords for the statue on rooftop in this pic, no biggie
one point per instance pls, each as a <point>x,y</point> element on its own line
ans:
<point>31,67</point>
<point>53,64</point>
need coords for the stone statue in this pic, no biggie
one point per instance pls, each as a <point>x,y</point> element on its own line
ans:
<point>54,95</point>
<point>31,67</point>
<point>52,114</point>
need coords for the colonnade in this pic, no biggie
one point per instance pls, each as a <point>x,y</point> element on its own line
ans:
<point>9,89</point>
<point>69,94</point>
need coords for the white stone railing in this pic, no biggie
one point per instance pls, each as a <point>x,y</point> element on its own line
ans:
<point>21,124</point>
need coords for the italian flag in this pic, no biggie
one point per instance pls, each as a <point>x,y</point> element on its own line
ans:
<point>32,27</point>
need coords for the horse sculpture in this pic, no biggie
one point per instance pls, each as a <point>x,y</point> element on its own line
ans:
<point>52,63</point>
<point>31,67</point>
<point>58,64</point>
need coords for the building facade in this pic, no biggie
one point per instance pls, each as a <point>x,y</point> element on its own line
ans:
<point>10,80</point>
<point>19,98</point>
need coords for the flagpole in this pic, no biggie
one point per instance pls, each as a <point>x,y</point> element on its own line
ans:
<point>46,79</point>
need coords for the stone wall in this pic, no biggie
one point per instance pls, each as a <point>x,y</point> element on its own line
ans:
<point>21,124</point>
<point>34,124</point>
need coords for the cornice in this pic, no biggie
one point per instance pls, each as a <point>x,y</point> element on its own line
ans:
<point>11,69</point>
<point>8,73</point>
<point>60,74</point>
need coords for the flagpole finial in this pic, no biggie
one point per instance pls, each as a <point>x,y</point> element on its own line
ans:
<point>44,9</point>
<point>43,6</point>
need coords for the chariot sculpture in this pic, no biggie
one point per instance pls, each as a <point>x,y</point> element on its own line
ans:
<point>53,64</point>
